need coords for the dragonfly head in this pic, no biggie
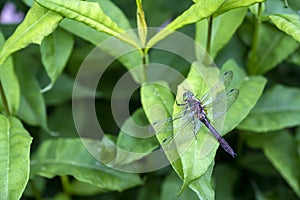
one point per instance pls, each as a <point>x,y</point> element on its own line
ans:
<point>187,95</point>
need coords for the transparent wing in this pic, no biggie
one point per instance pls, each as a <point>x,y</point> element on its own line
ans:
<point>221,104</point>
<point>218,89</point>
<point>177,125</point>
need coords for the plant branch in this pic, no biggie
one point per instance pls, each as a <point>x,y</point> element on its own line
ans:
<point>208,42</point>
<point>253,53</point>
<point>66,185</point>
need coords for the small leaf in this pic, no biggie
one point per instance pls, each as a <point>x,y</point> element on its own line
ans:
<point>198,11</point>
<point>89,13</point>
<point>70,157</point>
<point>290,24</point>
<point>232,4</point>
<point>14,158</point>
<point>55,50</point>
<point>141,22</point>
<point>273,47</point>
<point>38,23</point>
<point>32,108</point>
<point>223,28</point>
<point>9,82</point>
<point>278,108</point>
<point>285,159</point>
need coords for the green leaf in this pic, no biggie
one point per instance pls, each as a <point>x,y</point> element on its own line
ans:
<point>157,101</point>
<point>290,24</point>
<point>134,141</point>
<point>273,47</point>
<point>232,4</point>
<point>170,188</point>
<point>251,89</point>
<point>141,22</point>
<point>38,23</point>
<point>89,13</point>
<point>130,60</point>
<point>32,108</point>
<point>202,186</point>
<point>285,159</point>
<point>55,50</point>
<point>156,97</point>
<point>198,11</point>
<point>10,83</point>
<point>91,34</point>
<point>193,168</point>
<point>278,108</point>
<point>14,158</point>
<point>223,28</point>
<point>70,157</point>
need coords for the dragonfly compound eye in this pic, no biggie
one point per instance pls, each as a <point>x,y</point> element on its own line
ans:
<point>187,95</point>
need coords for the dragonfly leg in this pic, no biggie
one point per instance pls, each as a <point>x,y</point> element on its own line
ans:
<point>195,131</point>
<point>180,104</point>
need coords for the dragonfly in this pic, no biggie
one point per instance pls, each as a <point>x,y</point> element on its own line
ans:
<point>195,112</point>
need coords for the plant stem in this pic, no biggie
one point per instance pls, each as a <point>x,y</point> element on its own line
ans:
<point>253,53</point>
<point>208,42</point>
<point>4,100</point>
<point>66,185</point>
<point>144,60</point>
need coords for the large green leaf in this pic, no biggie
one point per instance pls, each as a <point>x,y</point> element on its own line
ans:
<point>70,157</point>
<point>10,83</point>
<point>278,108</point>
<point>131,59</point>
<point>193,168</point>
<point>89,13</point>
<point>290,24</point>
<point>281,150</point>
<point>55,50</point>
<point>198,11</point>
<point>38,23</point>
<point>134,142</point>
<point>14,158</point>
<point>91,34</point>
<point>223,28</point>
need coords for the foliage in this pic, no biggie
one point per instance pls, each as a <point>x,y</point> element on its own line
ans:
<point>41,154</point>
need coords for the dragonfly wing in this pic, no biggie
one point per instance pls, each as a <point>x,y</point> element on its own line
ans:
<point>218,88</point>
<point>222,103</point>
<point>177,122</point>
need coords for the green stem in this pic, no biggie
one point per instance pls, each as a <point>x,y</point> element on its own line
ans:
<point>144,60</point>
<point>4,100</point>
<point>253,53</point>
<point>66,186</point>
<point>208,42</point>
